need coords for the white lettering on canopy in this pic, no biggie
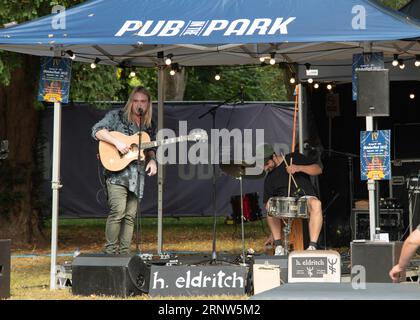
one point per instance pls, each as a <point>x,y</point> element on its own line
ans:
<point>238,27</point>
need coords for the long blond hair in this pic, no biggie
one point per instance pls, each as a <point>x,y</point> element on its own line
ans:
<point>147,118</point>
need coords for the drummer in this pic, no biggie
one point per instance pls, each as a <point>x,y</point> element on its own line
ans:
<point>276,184</point>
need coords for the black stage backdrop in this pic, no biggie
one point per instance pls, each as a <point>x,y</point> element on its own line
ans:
<point>188,189</point>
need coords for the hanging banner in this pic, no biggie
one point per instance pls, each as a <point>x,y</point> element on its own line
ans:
<point>375,161</point>
<point>373,60</point>
<point>54,82</point>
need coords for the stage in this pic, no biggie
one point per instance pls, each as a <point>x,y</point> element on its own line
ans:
<point>341,291</point>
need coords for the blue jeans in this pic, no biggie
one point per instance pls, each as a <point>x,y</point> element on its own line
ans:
<point>120,223</point>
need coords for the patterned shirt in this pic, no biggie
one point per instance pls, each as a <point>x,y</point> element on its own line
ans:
<point>115,121</point>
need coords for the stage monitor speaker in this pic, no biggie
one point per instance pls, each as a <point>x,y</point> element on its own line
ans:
<point>377,258</point>
<point>372,93</point>
<point>5,268</point>
<point>115,275</point>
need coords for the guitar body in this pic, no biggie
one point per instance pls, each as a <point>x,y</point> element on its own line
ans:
<point>112,159</point>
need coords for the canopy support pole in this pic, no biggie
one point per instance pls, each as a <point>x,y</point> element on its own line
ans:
<point>55,186</point>
<point>161,93</point>
<point>367,48</point>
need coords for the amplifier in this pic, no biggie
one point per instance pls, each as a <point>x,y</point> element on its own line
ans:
<point>377,258</point>
<point>390,221</point>
<point>268,272</point>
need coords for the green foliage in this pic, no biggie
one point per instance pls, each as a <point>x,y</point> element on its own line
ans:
<point>394,4</point>
<point>260,83</point>
<point>107,83</point>
<point>22,11</point>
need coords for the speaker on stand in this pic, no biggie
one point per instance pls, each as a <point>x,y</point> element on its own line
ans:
<point>372,93</point>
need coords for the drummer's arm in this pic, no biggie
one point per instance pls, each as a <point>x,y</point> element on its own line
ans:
<point>312,169</point>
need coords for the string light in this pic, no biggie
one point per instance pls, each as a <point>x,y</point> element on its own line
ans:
<point>293,78</point>
<point>174,69</point>
<point>95,63</point>
<point>71,54</point>
<point>262,59</point>
<point>412,96</point>
<point>272,60</point>
<point>329,86</point>
<point>401,63</point>
<point>310,80</point>
<point>395,61</point>
<point>168,60</point>
<point>217,77</point>
<point>132,74</point>
<point>417,62</point>
<point>316,85</point>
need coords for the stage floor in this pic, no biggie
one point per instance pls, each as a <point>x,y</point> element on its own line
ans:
<point>341,291</point>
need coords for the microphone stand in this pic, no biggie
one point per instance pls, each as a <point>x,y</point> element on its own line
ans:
<point>140,168</point>
<point>212,111</point>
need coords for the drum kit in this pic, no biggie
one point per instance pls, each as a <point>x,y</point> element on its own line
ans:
<point>287,209</point>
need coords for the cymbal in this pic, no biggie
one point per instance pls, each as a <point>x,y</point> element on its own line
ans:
<point>237,170</point>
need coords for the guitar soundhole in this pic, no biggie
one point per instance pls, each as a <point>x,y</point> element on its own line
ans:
<point>133,148</point>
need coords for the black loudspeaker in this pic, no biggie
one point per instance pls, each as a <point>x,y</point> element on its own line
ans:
<point>372,93</point>
<point>377,258</point>
<point>5,268</point>
<point>115,275</point>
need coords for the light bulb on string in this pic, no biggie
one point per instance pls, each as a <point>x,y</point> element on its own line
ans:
<point>395,61</point>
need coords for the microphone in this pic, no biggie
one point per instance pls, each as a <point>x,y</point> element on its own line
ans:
<point>307,146</point>
<point>241,93</point>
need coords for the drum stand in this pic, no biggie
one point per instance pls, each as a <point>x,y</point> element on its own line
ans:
<point>242,222</point>
<point>286,231</point>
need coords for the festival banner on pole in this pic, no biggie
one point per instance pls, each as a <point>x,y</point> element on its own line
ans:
<point>375,160</point>
<point>54,82</point>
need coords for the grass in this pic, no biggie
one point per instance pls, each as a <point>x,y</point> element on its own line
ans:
<point>30,275</point>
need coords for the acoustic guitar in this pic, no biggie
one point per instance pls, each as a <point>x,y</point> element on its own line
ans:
<point>113,160</point>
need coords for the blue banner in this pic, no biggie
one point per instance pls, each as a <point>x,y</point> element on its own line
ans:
<point>375,160</point>
<point>374,60</point>
<point>54,82</point>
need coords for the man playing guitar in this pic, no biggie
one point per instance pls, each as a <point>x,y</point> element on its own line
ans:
<point>122,186</point>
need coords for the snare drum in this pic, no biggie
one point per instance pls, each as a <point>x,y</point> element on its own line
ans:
<point>282,207</point>
<point>302,208</point>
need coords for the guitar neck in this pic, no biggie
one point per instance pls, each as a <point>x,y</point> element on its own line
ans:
<point>152,144</point>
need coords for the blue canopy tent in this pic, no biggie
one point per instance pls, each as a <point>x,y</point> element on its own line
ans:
<point>202,32</point>
<point>213,33</point>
